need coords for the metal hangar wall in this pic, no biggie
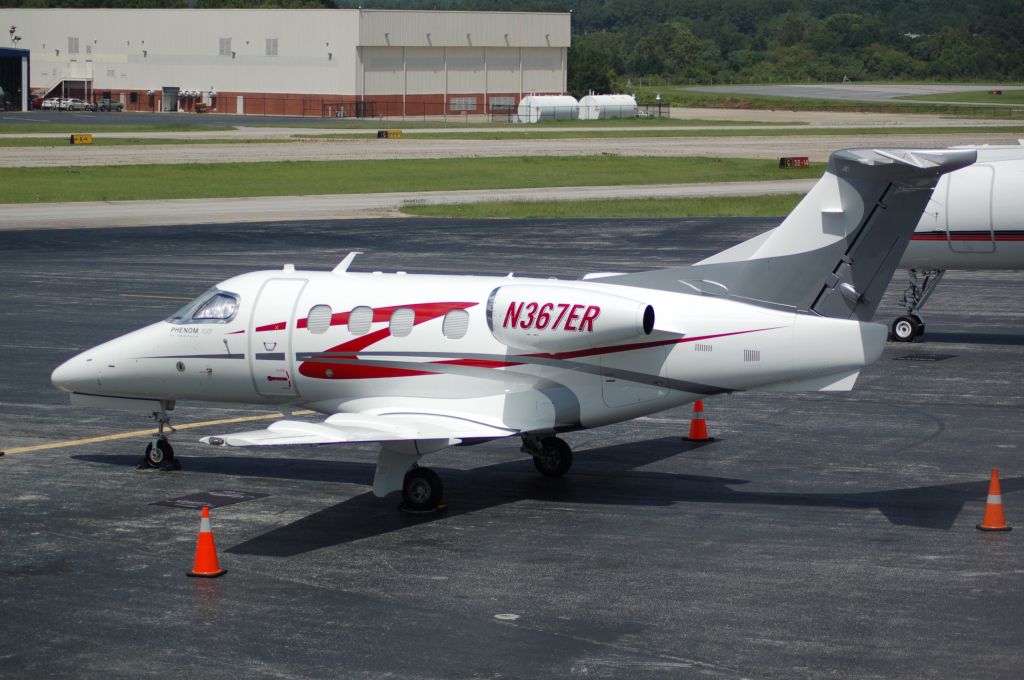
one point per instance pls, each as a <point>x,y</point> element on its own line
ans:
<point>296,62</point>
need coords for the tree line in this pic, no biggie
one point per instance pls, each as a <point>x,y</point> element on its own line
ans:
<point>715,41</point>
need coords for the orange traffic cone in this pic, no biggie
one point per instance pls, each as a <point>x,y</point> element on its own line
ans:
<point>698,428</point>
<point>994,520</point>
<point>206,564</point>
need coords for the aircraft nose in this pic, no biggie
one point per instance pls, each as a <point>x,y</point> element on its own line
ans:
<point>76,374</point>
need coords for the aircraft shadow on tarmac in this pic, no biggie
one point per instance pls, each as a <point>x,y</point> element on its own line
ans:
<point>968,338</point>
<point>606,475</point>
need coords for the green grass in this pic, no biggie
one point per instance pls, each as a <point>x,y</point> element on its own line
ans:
<point>69,128</point>
<point>722,206</point>
<point>678,96</point>
<point>129,141</point>
<point>1007,98</point>
<point>627,133</point>
<point>33,185</point>
<point>410,123</point>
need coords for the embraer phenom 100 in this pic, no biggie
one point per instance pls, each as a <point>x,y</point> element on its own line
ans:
<point>420,363</point>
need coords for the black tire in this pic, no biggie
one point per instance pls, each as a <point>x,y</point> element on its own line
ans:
<point>555,458</point>
<point>159,455</point>
<point>422,490</point>
<point>906,328</point>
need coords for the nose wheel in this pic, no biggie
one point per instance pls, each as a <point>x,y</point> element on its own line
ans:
<point>159,453</point>
<point>906,328</point>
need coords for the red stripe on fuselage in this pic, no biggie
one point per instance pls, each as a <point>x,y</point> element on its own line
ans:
<point>423,312</point>
<point>344,372</point>
<point>983,236</point>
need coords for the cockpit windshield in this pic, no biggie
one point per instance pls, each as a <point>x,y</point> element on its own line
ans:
<point>213,306</point>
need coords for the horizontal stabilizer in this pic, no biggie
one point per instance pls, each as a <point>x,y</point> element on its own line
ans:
<point>348,428</point>
<point>836,382</point>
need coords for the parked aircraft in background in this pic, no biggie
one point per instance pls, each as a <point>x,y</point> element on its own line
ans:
<point>974,220</point>
<point>419,363</point>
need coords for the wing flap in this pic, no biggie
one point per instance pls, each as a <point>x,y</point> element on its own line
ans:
<point>348,428</point>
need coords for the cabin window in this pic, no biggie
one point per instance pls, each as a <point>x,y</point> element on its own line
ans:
<point>402,321</point>
<point>213,306</point>
<point>455,324</point>
<point>319,319</point>
<point>359,320</point>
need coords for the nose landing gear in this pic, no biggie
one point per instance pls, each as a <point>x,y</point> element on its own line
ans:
<point>159,452</point>
<point>909,327</point>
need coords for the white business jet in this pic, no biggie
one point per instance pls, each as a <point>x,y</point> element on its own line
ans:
<point>420,363</point>
<point>974,220</point>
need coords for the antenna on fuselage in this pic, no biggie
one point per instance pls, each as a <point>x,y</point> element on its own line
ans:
<point>344,264</point>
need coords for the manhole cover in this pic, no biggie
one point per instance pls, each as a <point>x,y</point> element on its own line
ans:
<point>215,498</point>
<point>924,356</point>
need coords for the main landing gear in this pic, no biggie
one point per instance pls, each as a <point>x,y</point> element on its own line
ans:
<point>910,326</point>
<point>551,456</point>
<point>159,452</point>
<point>422,491</point>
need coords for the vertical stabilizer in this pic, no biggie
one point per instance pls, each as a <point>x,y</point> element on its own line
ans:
<point>836,252</point>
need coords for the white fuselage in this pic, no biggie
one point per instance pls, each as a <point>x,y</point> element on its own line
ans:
<point>975,218</point>
<point>353,342</point>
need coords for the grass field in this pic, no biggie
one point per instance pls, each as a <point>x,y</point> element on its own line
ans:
<point>413,124</point>
<point>1008,97</point>
<point>70,128</point>
<point>748,206</point>
<point>682,132</point>
<point>222,180</point>
<point>677,96</point>
<point>128,141</point>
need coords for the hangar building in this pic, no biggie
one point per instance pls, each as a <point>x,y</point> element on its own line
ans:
<point>296,62</point>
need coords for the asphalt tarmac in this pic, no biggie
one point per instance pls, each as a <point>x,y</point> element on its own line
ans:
<point>819,536</point>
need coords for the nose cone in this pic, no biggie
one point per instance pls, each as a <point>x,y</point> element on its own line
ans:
<point>77,374</point>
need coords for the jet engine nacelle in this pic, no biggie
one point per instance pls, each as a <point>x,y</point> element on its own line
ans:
<point>562,318</point>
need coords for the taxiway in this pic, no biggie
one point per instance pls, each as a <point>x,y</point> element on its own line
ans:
<point>820,536</point>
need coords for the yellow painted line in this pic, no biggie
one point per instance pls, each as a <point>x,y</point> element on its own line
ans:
<point>140,433</point>
<point>154,297</point>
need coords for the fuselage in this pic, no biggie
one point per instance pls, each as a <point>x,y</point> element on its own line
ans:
<point>526,354</point>
<point>975,218</point>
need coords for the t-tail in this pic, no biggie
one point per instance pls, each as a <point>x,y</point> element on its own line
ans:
<point>836,252</point>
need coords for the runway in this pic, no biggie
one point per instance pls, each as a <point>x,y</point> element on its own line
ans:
<point>819,536</point>
<point>764,145</point>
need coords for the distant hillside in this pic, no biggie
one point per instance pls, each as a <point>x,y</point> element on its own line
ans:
<point>704,41</point>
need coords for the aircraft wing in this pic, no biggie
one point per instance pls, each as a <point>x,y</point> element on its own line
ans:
<point>346,428</point>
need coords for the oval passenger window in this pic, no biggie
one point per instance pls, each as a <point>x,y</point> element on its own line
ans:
<point>402,322</point>
<point>319,319</point>
<point>359,320</point>
<point>456,324</point>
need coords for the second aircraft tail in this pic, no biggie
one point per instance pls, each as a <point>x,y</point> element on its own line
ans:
<point>836,252</point>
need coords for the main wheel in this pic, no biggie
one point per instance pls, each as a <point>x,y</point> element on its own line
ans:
<point>157,455</point>
<point>554,459</point>
<point>906,328</point>
<point>422,490</point>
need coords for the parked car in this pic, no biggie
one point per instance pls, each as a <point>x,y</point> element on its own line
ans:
<point>51,104</point>
<point>37,102</point>
<point>109,105</point>
<point>75,105</point>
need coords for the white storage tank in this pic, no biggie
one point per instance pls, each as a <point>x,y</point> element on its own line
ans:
<point>599,106</point>
<point>538,107</point>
